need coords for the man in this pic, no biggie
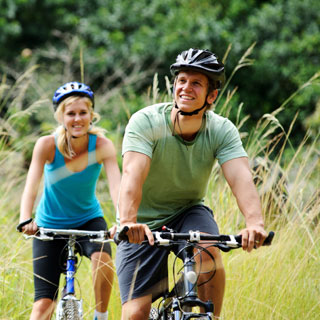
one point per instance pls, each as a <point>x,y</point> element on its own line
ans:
<point>168,153</point>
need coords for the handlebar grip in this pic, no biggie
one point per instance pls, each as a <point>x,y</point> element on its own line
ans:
<point>121,236</point>
<point>267,241</point>
<point>22,224</point>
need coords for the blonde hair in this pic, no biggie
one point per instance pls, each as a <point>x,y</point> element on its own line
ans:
<point>63,140</point>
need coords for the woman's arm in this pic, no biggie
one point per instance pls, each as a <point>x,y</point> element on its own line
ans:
<point>43,152</point>
<point>107,155</point>
<point>135,170</point>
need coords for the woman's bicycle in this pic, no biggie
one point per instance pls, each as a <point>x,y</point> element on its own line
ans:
<point>178,303</point>
<point>69,306</point>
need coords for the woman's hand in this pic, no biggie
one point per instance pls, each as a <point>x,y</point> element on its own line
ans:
<point>112,231</point>
<point>28,227</point>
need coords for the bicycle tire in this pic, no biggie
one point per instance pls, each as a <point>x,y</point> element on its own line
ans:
<point>69,309</point>
<point>154,315</point>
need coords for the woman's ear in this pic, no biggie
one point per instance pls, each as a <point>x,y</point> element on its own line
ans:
<point>59,118</point>
<point>174,86</point>
<point>212,96</point>
<point>93,117</point>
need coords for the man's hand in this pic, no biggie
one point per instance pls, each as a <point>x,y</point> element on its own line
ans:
<point>253,237</point>
<point>137,232</point>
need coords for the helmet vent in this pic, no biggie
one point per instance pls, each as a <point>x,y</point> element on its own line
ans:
<point>203,61</point>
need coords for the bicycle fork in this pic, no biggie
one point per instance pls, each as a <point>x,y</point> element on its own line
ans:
<point>73,310</point>
<point>191,290</point>
<point>71,267</point>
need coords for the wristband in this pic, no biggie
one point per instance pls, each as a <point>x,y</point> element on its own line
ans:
<point>22,224</point>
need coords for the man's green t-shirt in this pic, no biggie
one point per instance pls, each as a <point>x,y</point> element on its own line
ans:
<point>180,170</point>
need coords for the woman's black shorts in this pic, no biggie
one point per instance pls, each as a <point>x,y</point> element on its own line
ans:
<point>49,258</point>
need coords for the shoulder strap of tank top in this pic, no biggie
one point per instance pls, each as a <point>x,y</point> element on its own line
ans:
<point>58,157</point>
<point>92,149</point>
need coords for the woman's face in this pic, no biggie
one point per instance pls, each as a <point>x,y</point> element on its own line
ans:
<point>77,118</point>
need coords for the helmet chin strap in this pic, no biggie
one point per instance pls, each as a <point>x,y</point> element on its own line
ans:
<point>73,137</point>
<point>184,113</point>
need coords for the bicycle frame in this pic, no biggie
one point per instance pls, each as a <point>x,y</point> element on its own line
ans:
<point>71,266</point>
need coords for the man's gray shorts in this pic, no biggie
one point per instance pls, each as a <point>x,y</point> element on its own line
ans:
<point>142,269</point>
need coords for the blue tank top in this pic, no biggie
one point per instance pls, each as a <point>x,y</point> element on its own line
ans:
<point>69,198</point>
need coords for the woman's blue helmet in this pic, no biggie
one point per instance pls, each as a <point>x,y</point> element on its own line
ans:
<point>71,89</point>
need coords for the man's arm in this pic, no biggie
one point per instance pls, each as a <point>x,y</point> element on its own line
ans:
<point>135,170</point>
<point>238,175</point>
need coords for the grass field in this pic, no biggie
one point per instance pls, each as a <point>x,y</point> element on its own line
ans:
<point>277,282</point>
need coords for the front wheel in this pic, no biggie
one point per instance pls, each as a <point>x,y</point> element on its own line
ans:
<point>154,315</point>
<point>69,308</point>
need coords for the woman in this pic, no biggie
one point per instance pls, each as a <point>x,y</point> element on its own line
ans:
<point>71,160</point>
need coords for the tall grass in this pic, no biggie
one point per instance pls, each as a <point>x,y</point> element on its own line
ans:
<point>277,282</point>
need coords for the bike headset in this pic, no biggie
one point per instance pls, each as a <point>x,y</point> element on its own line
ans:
<point>72,89</point>
<point>203,61</point>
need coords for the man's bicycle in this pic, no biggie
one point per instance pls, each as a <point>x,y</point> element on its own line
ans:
<point>178,303</point>
<point>69,306</point>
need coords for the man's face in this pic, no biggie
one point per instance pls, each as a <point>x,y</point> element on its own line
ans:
<point>191,89</point>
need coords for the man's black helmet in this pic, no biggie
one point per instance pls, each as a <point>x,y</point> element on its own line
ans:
<point>71,89</point>
<point>203,61</point>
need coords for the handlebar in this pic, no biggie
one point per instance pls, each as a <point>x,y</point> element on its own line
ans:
<point>47,234</point>
<point>168,237</point>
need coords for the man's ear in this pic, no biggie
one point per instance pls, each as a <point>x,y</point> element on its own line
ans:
<point>212,96</point>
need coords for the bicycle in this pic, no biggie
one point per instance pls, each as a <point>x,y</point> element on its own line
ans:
<point>69,307</point>
<point>177,303</point>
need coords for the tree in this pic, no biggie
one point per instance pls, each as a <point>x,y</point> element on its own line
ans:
<point>286,56</point>
<point>117,46</point>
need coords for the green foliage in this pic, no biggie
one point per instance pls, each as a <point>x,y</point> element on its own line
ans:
<point>286,33</point>
<point>313,122</point>
<point>117,47</point>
